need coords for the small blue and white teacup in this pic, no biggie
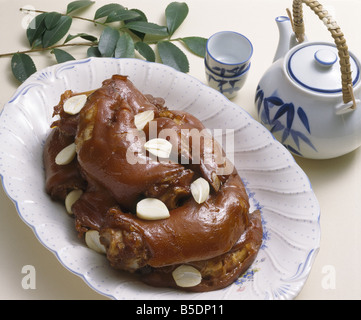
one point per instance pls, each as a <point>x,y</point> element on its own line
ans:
<point>228,53</point>
<point>228,86</point>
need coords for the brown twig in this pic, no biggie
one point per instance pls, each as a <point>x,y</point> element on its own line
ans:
<point>90,44</point>
<point>74,17</point>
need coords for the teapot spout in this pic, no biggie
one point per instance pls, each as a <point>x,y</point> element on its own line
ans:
<point>286,37</point>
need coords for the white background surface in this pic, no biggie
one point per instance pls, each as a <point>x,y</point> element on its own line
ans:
<point>336,182</point>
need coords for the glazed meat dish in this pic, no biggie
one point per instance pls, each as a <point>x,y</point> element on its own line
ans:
<point>158,200</point>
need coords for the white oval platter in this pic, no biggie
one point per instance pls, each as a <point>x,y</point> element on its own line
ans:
<point>275,183</point>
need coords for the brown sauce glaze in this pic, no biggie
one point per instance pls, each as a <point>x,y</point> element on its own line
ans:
<point>218,232</point>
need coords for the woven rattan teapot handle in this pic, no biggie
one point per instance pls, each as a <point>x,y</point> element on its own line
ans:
<point>337,35</point>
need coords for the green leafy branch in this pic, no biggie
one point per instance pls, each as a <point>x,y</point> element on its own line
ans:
<point>133,35</point>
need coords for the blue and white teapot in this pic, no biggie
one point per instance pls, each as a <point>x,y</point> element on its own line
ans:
<point>310,104</point>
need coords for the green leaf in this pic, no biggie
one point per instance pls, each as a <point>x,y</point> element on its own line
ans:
<point>145,50</point>
<point>172,56</point>
<point>51,20</point>
<point>75,5</point>
<point>106,10</point>
<point>124,47</point>
<point>121,15</point>
<point>141,17</point>
<point>22,66</point>
<point>56,33</point>
<point>93,52</point>
<point>36,29</point>
<point>108,41</point>
<point>37,43</point>
<point>196,45</point>
<point>82,35</point>
<point>61,55</point>
<point>175,14</point>
<point>147,28</point>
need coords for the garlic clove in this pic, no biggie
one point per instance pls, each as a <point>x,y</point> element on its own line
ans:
<point>200,190</point>
<point>186,276</point>
<point>71,198</point>
<point>92,240</point>
<point>159,147</point>
<point>74,104</point>
<point>66,155</point>
<point>152,209</point>
<point>141,119</point>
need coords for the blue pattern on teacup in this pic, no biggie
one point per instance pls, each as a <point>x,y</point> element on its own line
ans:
<point>227,87</point>
<point>229,72</point>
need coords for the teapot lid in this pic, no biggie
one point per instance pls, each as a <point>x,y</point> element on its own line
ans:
<point>316,67</point>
